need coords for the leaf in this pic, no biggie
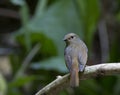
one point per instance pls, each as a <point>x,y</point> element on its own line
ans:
<point>3,85</point>
<point>21,81</point>
<point>117,86</point>
<point>55,63</point>
<point>59,19</point>
<point>89,13</point>
<point>47,46</point>
<point>89,87</point>
<point>18,2</point>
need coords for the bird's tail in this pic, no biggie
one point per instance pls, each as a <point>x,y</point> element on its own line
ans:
<point>74,78</point>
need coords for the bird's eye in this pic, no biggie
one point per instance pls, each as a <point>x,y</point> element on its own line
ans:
<point>72,37</point>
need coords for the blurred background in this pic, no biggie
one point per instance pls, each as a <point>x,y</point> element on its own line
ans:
<point>32,49</point>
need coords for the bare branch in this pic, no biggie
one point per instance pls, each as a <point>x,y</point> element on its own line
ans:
<point>27,60</point>
<point>62,82</point>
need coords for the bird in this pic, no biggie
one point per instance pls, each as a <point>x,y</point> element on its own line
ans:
<point>76,55</point>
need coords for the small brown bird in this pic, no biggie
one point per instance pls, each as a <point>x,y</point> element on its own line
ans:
<point>75,57</point>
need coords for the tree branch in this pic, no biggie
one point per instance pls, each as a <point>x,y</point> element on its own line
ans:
<point>62,82</point>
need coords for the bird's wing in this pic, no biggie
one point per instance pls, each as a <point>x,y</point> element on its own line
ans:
<point>68,61</point>
<point>82,58</point>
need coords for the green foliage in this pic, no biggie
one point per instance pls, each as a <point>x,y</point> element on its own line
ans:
<point>18,2</point>
<point>37,37</point>
<point>55,63</point>
<point>90,87</point>
<point>115,49</point>
<point>55,24</point>
<point>21,81</point>
<point>88,14</point>
<point>3,85</point>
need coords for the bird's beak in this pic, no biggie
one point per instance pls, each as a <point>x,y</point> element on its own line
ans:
<point>64,39</point>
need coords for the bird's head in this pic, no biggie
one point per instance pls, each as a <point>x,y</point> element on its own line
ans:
<point>71,38</point>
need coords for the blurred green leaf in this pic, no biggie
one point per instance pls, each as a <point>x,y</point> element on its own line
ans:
<point>89,13</point>
<point>89,87</point>
<point>18,2</point>
<point>3,85</point>
<point>47,46</point>
<point>116,87</point>
<point>55,63</point>
<point>118,16</point>
<point>21,81</point>
<point>55,24</point>
<point>25,20</point>
<point>14,91</point>
<point>41,7</point>
<point>115,49</point>
<point>107,84</point>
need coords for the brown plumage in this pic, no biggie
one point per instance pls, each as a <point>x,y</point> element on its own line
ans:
<point>75,57</point>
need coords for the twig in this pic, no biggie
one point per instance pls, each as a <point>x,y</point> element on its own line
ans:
<point>90,71</point>
<point>27,60</point>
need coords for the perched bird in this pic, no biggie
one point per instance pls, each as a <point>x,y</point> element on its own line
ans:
<point>75,57</point>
